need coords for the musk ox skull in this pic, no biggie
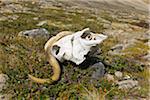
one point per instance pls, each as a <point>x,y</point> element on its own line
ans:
<point>74,47</point>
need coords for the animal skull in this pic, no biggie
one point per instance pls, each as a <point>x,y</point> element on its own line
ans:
<point>74,47</point>
<point>71,46</point>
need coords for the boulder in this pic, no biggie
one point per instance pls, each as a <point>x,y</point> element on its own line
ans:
<point>99,70</point>
<point>127,84</point>
<point>41,32</point>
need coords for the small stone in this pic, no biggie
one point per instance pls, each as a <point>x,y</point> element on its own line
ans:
<point>42,23</point>
<point>117,47</point>
<point>118,74</point>
<point>127,84</point>
<point>34,33</point>
<point>99,70</point>
<point>126,77</point>
<point>110,77</point>
<point>3,79</point>
<point>35,18</point>
<point>90,20</point>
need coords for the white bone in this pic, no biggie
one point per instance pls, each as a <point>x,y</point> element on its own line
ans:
<point>74,48</point>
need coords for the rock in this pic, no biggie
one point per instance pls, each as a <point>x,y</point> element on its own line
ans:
<point>110,77</point>
<point>34,33</point>
<point>90,20</point>
<point>118,74</point>
<point>147,58</point>
<point>3,79</point>
<point>99,70</point>
<point>126,77</point>
<point>117,47</point>
<point>35,18</point>
<point>42,23</point>
<point>127,84</point>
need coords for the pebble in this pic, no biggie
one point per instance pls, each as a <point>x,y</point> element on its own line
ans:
<point>126,77</point>
<point>3,79</point>
<point>118,74</point>
<point>110,77</point>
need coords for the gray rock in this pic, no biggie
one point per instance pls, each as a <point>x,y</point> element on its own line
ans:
<point>99,70</point>
<point>127,84</point>
<point>118,74</point>
<point>117,47</point>
<point>34,33</point>
<point>3,79</point>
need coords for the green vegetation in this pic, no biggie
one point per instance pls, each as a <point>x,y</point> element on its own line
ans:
<point>20,56</point>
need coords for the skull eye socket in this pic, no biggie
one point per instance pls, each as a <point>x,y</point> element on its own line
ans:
<point>89,37</point>
<point>56,48</point>
<point>94,38</point>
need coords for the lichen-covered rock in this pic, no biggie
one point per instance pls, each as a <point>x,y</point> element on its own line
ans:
<point>127,84</point>
<point>34,33</point>
<point>99,70</point>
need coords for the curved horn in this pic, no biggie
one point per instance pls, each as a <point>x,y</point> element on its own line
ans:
<point>52,60</point>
